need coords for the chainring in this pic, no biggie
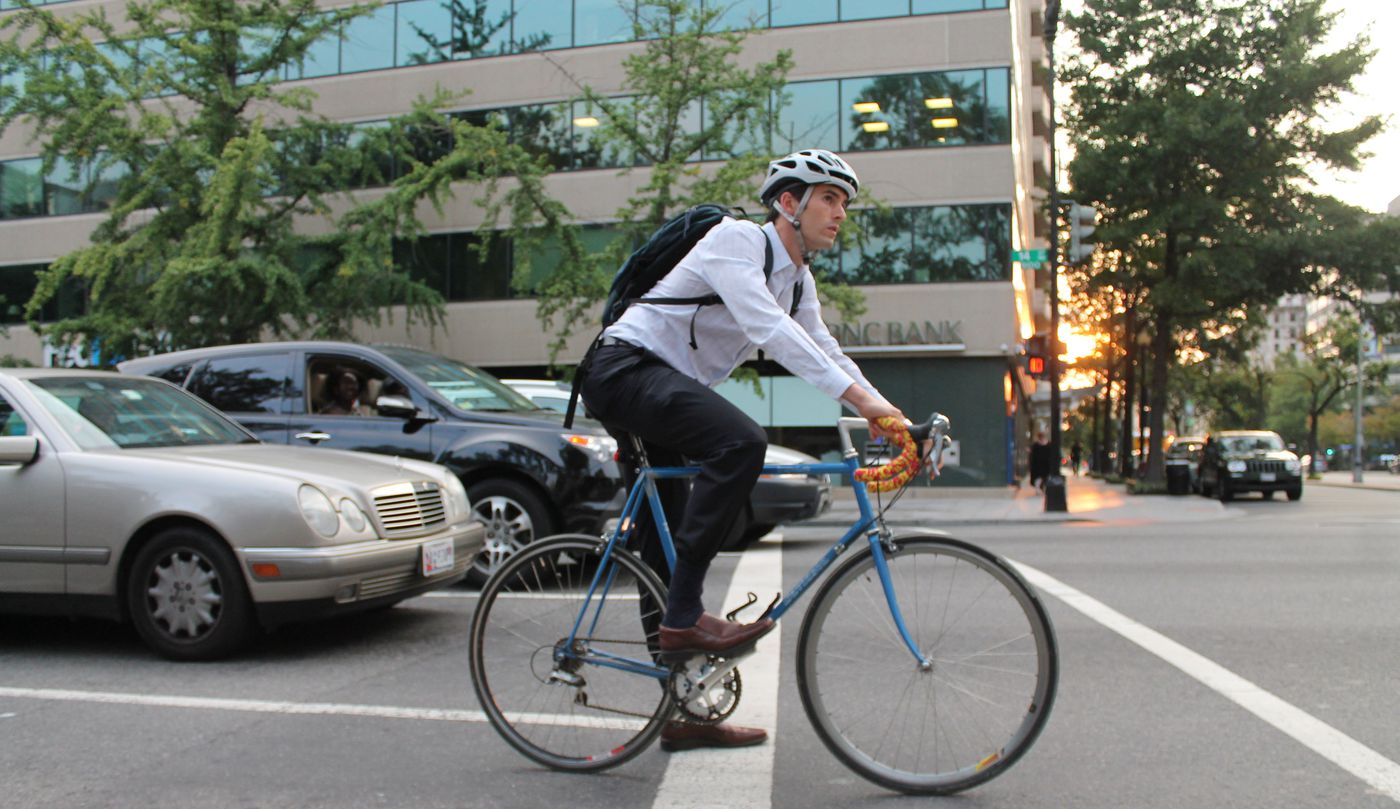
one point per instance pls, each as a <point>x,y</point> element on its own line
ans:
<point>704,706</point>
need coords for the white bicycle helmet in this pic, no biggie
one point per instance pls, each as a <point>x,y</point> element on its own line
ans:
<point>810,167</point>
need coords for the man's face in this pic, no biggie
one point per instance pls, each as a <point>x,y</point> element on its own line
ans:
<point>826,210</point>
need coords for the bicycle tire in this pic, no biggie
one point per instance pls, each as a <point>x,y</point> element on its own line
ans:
<point>529,606</point>
<point>948,727</point>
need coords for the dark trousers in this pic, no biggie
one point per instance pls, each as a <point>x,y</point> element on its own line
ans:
<point>678,420</point>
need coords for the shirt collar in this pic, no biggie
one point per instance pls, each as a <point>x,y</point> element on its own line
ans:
<point>781,259</point>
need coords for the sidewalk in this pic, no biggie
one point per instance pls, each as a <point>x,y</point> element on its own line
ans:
<point>1374,479</point>
<point>1088,499</point>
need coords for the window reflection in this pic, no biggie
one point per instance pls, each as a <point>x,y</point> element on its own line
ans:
<point>803,12</point>
<point>542,24</point>
<point>424,32</point>
<point>739,15</point>
<point>600,21</point>
<point>808,116</point>
<point>871,9</point>
<point>368,42</point>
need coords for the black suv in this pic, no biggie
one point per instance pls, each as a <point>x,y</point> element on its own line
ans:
<point>527,477</point>
<point>1237,461</point>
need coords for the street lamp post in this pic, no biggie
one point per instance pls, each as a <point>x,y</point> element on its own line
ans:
<point>1055,484</point>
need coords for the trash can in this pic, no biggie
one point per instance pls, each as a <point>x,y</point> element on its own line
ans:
<point>1178,477</point>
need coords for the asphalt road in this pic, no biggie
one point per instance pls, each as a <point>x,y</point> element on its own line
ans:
<point>1296,602</point>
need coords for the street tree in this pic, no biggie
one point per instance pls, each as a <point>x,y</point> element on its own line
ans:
<point>1194,123</point>
<point>684,95</point>
<point>230,212</point>
<point>1326,370</point>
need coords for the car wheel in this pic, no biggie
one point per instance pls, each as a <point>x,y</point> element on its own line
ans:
<point>1267,495</point>
<point>1223,491</point>
<point>186,596</point>
<point>514,517</point>
<point>1295,493</point>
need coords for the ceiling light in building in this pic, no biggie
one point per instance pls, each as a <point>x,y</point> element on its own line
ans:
<point>586,121</point>
<point>866,106</point>
<point>938,103</point>
<point>944,123</point>
<point>875,126</point>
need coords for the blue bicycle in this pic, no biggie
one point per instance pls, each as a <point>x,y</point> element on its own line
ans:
<point>925,664</point>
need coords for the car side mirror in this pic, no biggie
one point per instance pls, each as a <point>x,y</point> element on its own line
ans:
<point>399,407</point>
<point>19,449</point>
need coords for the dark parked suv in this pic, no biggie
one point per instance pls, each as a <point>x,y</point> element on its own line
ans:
<point>527,477</point>
<point>1237,461</point>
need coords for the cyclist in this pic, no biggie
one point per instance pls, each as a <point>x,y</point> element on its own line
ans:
<point>651,376</point>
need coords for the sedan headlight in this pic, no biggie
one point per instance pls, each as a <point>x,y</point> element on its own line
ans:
<point>354,518</point>
<point>1236,466</point>
<point>316,507</point>
<point>602,446</point>
<point>458,507</point>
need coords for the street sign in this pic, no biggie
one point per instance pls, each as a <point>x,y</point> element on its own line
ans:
<point>1028,256</point>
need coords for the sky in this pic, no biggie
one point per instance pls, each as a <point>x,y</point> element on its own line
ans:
<point>1378,182</point>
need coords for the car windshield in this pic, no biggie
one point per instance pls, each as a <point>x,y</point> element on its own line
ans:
<point>1245,444</point>
<point>465,387</point>
<point>132,412</point>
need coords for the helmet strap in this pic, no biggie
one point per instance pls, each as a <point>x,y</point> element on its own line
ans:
<point>795,218</point>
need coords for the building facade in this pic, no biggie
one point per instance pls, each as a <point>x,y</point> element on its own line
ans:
<point>939,104</point>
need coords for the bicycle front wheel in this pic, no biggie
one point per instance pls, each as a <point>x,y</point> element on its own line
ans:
<point>570,706</point>
<point>970,710</point>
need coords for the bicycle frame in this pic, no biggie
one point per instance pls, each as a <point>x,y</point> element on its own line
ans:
<point>644,494</point>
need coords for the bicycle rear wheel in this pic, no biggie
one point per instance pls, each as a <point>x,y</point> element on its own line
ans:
<point>560,705</point>
<point>947,726</point>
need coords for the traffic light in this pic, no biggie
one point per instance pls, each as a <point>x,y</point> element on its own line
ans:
<point>1082,219</point>
<point>1037,355</point>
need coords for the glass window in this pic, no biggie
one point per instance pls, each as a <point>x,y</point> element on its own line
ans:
<point>322,59</point>
<point>876,113</point>
<point>744,131</point>
<point>590,151</point>
<point>883,252</point>
<point>473,277</point>
<point>870,9</point>
<point>600,21</point>
<point>542,130</point>
<point>944,6</point>
<point>803,12</point>
<point>480,28</point>
<point>247,384</point>
<point>11,422</point>
<point>63,188</point>
<point>998,122</point>
<point>808,117</point>
<point>424,32</point>
<point>949,108</point>
<point>425,259</point>
<point>739,14</point>
<point>21,188</point>
<point>996,3</point>
<point>545,258</point>
<point>542,24</point>
<point>17,284</point>
<point>369,42</point>
<point>961,243</point>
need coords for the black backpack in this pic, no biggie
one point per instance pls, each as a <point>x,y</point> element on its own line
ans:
<point>649,263</point>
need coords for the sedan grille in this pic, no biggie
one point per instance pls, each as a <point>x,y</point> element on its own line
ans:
<point>406,508</point>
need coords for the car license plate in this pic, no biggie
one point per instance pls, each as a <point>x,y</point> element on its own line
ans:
<point>437,557</point>
<point>1266,477</point>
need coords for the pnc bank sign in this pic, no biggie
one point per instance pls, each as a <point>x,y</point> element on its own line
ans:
<point>939,335</point>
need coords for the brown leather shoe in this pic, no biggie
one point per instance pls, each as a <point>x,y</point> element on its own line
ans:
<point>722,638</point>
<point>679,736</point>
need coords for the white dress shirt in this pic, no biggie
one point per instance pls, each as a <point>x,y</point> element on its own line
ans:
<point>728,262</point>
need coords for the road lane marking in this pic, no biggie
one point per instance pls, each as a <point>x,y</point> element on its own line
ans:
<point>1379,772</point>
<point>740,778</point>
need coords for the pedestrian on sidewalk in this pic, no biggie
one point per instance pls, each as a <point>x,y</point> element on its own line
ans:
<point>1040,460</point>
<point>1076,452</point>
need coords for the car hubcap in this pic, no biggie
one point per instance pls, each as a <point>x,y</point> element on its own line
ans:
<point>508,529</point>
<point>184,595</point>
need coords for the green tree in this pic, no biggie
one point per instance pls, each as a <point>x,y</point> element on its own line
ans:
<point>212,164</point>
<point>1194,122</point>
<point>656,128</point>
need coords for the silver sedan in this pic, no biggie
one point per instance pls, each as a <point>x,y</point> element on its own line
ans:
<point>125,497</point>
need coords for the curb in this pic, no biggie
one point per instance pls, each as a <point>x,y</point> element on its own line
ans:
<point>1351,486</point>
